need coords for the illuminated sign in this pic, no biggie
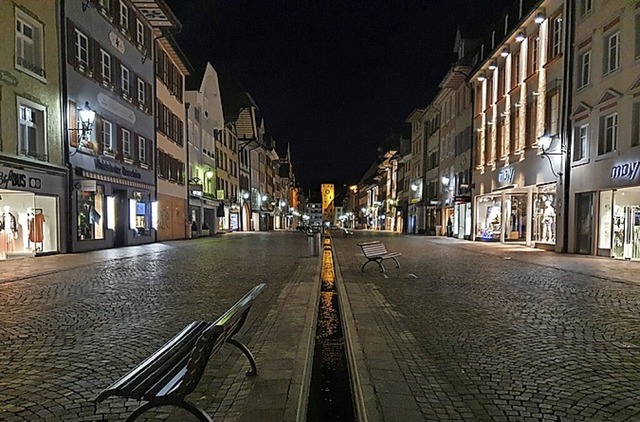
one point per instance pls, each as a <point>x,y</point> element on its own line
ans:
<point>625,171</point>
<point>327,202</point>
<point>506,175</point>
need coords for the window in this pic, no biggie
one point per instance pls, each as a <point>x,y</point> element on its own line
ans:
<point>90,212</point>
<point>553,113</point>
<point>534,58</point>
<point>142,149</point>
<point>581,142</point>
<point>124,16</point>
<point>124,80</point>
<point>584,69</point>
<point>140,33</point>
<point>585,7</point>
<point>29,44</point>
<point>515,69</point>
<point>105,4</point>
<point>105,65</point>
<point>141,92</point>
<point>82,49</point>
<point>501,81</point>
<point>611,53</point>
<point>31,130</point>
<point>107,136</point>
<point>635,130</point>
<point>126,143</point>
<point>608,133</point>
<point>556,37</point>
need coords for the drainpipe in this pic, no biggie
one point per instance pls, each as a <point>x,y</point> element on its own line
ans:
<point>565,121</point>
<point>65,126</point>
<point>187,227</point>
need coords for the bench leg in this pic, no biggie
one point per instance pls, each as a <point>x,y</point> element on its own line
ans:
<point>380,265</point>
<point>247,353</point>
<point>397,263</point>
<point>189,407</point>
<point>365,264</point>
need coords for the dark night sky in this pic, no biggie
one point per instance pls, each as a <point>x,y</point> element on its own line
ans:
<point>333,78</point>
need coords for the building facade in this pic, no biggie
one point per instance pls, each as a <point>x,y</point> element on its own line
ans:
<point>518,190</point>
<point>110,71</point>
<point>171,155</point>
<point>33,176</point>
<point>604,200</point>
<point>416,215</point>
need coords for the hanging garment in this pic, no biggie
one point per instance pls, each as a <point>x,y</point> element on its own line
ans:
<point>4,242</point>
<point>36,229</point>
<point>8,222</point>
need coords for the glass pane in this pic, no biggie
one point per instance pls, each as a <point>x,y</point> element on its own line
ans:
<point>604,230</point>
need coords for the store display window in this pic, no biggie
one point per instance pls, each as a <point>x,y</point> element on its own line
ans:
<point>626,224</point>
<point>489,217</point>
<point>141,213</point>
<point>28,224</point>
<point>605,219</point>
<point>90,212</point>
<point>544,214</point>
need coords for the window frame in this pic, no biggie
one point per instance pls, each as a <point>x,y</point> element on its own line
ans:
<point>581,139</point>
<point>142,149</point>
<point>584,10</point>
<point>555,44</point>
<point>607,56</point>
<point>80,36</point>
<point>125,89</point>
<point>635,125</point>
<point>107,137</point>
<point>124,17</point>
<point>36,41</point>
<point>106,75</point>
<point>606,145</point>
<point>126,142</point>
<point>142,92</point>
<point>582,65</point>
<point>40,131</point>
<point>140,33</point>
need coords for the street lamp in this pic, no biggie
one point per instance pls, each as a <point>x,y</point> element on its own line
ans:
<point>544,143</point>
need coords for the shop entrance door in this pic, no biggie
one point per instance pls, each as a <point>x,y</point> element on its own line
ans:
<point>584,211</point>
<point>122,217</point>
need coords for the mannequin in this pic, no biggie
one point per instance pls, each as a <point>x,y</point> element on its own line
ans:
<point>549,216</point>
<point>9,228</point>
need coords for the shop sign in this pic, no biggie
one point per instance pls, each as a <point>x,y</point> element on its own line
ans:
<point>220,194</point>
<point>506,175</point>
<point>625,171</point>
<point>195,190</point>
<point>10,178</point>
<point>117,169</point>
<point>86,185</point>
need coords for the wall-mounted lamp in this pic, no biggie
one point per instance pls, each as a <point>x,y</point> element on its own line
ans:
<point>245,195</point>
<point>493,65</point>
<point>445,180</point>
<point>505,51</point>
<point>481,77</point>
<point>520,36</point>
<point>208,174</point>
<point>540,16</point>
<point>544,143</point>
<point>414,187</point>
<point>264,197</point>
<point>87,117</point>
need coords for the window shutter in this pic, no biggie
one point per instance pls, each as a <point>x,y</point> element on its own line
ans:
<point>116,75</point>
<point>134,148</point>
<point>148,92</point>
<point>71,43</point>
<point>133,81</point>
<point>94,59</point>
<point>147,41</point>
<point>150,154</point>
<point>73,124</point>
<point>118,134</point>
<point>97,129</point>
<point>133,21</point>
<point>114,11</point>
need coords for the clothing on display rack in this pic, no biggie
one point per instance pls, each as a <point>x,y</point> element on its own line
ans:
<point>36,222</point>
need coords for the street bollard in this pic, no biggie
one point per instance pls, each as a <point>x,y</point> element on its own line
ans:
<point>310,241</point>
<point>318,241</point>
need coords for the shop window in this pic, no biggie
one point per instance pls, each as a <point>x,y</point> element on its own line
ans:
<point>606,217</point>
<point>489,217</point>
<point>140,212</point>
<point>611,53</point>
<point>581,142</point>
<point>544,214</point>
<point>29,45</point>
<point>90,212</point>
<point>28,224</point>
<point>31,130</point>
<point>608,133</point>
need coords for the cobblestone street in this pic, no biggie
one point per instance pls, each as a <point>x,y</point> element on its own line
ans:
<point>471,331</point>
<point>462,331</point>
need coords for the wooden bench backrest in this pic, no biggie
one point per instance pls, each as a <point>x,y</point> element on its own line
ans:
<point>373,248</point>
<point>214,336</point>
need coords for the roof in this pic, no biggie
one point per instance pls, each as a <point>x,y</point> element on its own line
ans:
<point>157,13</point>
<point>234,98</point>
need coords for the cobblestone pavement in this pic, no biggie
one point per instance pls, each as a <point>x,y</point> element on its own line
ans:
<point>472,331</point>
<point>70,332</point>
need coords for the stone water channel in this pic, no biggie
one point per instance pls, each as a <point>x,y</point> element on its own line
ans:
<point>330,396</point>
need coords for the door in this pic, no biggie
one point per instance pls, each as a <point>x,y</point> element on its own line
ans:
<point>122,217</point>
<point>584,214</point>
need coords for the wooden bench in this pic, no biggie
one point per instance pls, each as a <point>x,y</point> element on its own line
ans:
<point>174,370</point>
<point>375,251</point>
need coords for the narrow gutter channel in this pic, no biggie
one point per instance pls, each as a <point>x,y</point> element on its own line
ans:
<point>330,395</point>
